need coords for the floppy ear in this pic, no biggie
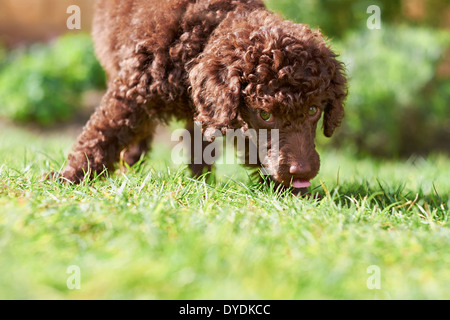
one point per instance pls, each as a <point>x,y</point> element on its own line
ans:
<point>216,92</point>
<point>334,111</point>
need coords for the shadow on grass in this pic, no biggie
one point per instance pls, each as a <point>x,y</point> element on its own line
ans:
<point>389,197</point>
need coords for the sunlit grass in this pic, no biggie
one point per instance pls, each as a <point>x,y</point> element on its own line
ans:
<point>154,232</point>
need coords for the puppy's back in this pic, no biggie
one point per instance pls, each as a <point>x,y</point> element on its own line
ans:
<point>119,25</point>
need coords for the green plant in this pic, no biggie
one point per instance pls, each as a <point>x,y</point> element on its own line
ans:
<point>396,104</point>
<point>44,83</point>
<point>336,17</point>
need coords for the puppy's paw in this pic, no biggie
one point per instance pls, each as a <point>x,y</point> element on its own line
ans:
<point>68,175</point>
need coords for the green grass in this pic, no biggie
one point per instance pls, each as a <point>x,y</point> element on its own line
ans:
<point>155,233</point>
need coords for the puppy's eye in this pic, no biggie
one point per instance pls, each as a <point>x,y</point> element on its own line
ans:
<point>266,116</point>
<point>312,111</point>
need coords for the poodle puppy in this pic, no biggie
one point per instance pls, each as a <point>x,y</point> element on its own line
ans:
<point>226,64</point>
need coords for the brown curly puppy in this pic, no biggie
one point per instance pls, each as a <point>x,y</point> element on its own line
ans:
<point>228,64</point>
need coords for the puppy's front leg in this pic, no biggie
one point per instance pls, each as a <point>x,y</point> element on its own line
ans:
<point>116,124</point>
<point>199,161</point>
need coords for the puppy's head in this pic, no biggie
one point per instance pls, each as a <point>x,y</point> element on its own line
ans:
<point>262,72</point>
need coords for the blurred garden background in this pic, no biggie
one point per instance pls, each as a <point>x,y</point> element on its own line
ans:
<point>153,232</point>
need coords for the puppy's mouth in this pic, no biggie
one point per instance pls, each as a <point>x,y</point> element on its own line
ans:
<point>297,186</point>
<point>300,184</point>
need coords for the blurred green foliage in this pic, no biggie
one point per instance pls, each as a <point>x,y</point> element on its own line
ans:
<point>397,104</point>
<point>336,17</point>
<point>44,83</point>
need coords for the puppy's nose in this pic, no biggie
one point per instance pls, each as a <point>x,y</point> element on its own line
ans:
<point>299,169</point>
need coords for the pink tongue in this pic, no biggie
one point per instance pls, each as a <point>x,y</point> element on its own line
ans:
<point>300,184</point>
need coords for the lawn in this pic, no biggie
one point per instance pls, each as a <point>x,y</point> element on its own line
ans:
<point>380,230</point>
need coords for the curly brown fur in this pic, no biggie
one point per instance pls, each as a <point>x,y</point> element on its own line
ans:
<point>219,62</point>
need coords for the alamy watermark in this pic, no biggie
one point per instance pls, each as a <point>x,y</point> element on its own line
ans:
<point>373,283</point>
<point>374,280</point>
<point>74,20</point>
<point>374,21</point>
<point>253,146</point>
<point>74,280</point>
